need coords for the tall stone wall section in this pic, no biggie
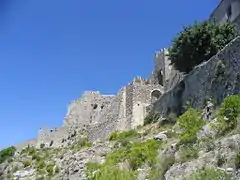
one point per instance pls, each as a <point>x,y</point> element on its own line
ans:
<point>109,120</point>
<point>216,78</point>
<point>142,98</point>
<point>85,110</point>
<point>164,73</point>
<point>127,110</point>
<point>159,66</point>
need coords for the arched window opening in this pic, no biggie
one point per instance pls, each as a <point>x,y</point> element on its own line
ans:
<point>155,95</point>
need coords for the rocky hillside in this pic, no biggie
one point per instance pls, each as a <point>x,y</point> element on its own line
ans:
<point>200,144</point>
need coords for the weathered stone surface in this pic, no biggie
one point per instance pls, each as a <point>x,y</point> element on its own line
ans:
<point>224,149</point>
<point>208,130</point>
<point>73,163</point>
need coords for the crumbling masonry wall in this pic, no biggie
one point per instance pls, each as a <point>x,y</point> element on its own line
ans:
<point>127,110</point>
<point>142,97</point>
<point>164,73</point>
<point>85,110</point>
<point>109,120</point>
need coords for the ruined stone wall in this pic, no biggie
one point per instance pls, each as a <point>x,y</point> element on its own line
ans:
<point>216,78</point>
<point>126,111</point>
<point>175,78</point>
<point>59,137</point>
<point>142,97</point>
<point>159,65</point>
<point>85,110</point>
<point>111,119</point>
<point>162,65</point>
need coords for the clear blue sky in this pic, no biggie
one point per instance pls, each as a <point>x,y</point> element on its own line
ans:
<point>53,50</point>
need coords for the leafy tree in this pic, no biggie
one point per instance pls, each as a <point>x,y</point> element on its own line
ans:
<point>199,42</point>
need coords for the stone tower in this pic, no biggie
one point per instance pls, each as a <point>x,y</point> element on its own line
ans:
<point>164,73</point>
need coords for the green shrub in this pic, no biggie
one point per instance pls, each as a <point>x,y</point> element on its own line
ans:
<point>95,172</point>
<point>191,122</point>
<point>36,157</point>
<point>158,171</point>
<point>188,152</point>
<point>237,160</point>
<point>199,42</point>
<point>143,153</point>
<point>117,136</point>
<point>135,155</point>
<point>15,169</point>
<point>26,163</point>
<point>221,160</point>
<point>228,114</point>
<point>113,136</point>
<point>151,118</point>
<point>57,169</point>
<point>7,153</point>
<point>29,151</point>
<point>10,160</point>
<point>91,167</point>
<point>41,165</point>
<point>82,143</point>
<point>9,176</point>
<point>40,178</point>
<point>210,174</point>
<point>42,146</point>
<point>49,169</point>
<point>208,144</point>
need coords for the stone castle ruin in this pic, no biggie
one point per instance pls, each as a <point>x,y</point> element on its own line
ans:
<point>166,89</point>
<point>100,114</point>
